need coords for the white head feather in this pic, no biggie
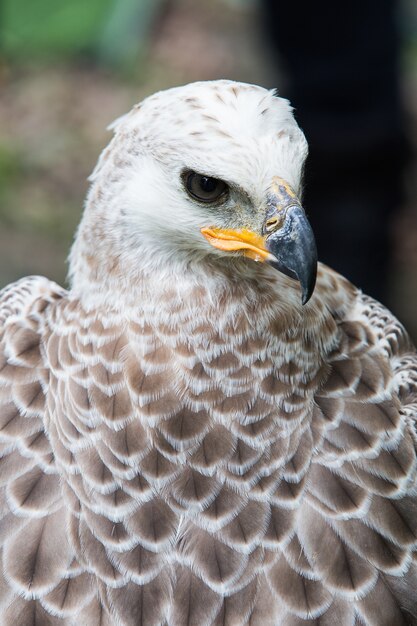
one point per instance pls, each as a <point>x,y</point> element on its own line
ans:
<point>140,219</point>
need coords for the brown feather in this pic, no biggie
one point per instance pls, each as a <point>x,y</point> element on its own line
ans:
<point>38,553</point>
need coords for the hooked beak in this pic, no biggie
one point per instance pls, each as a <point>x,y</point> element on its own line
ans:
<point>287,241</point>
<point>294,249</point>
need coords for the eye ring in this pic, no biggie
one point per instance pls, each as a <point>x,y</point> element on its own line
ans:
<point>204,188</point>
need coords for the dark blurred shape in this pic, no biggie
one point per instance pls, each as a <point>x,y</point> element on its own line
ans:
<point>343,71</point>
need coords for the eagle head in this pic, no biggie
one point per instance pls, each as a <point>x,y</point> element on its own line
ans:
<point>207,171</point>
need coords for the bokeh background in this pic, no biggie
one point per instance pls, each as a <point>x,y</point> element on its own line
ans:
<point>69,67</point>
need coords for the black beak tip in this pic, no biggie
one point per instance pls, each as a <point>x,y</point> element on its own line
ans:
<point>307,280</point>
<point>308,289</point>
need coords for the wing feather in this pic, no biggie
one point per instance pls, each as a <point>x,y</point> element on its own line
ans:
<point>35,552</point>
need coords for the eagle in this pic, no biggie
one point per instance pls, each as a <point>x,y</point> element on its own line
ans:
<point>208,428</point>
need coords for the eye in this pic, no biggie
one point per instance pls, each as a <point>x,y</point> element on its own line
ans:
<point>205,188</point>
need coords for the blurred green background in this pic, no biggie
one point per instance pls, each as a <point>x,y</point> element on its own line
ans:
<point>68,68</point>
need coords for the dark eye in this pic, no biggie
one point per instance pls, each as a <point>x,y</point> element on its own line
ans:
<point>204,188</point>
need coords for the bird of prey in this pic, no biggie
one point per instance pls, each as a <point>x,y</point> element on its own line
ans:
<point>207,428</point>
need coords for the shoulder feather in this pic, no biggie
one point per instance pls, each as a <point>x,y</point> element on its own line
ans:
<point>34,549</point>
<point>17,299</point>
<point>396,344</point>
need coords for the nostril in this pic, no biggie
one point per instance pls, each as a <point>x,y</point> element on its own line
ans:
<point>272,223</point>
